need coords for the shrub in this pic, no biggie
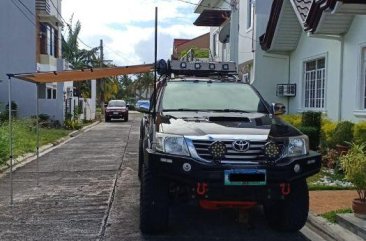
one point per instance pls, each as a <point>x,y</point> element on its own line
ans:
<point>359,132</point>
<point>311,126</point>
<point>312,119</point>
<point>343,133</point>
<point>72,125</point>
<point>327,130</point>
<point>354,166</point>
<point>313,134</point>
<point>294,120</point>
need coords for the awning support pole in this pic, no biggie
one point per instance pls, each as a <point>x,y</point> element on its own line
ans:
<point>37,148</point>
<point>10,142</point>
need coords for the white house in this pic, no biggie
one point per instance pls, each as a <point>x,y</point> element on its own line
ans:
<point>324,43</point>
<point>306,54</point>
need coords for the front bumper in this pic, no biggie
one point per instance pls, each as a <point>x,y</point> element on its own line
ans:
<point>116,114</point>
<point>212,175</point>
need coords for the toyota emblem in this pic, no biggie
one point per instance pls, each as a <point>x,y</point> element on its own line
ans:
<point>241,145</point>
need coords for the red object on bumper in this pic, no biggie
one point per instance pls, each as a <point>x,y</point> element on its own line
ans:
<point>213,205</point>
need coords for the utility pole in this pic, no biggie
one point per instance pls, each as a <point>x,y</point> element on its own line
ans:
<point>101,82</point>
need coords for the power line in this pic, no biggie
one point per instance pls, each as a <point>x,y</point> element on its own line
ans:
<point>23,13</point>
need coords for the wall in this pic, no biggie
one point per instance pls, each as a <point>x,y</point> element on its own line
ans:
<point>354,40</point>
<point>309,48</point>
<point>17,54</point>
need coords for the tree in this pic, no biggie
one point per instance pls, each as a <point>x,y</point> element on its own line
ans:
<point>144,84</point>
<point>78,58</point>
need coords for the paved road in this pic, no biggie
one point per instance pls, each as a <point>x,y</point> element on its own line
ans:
<point>88,190</point>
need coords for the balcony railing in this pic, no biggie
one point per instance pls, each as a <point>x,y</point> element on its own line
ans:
<point>43,6</point>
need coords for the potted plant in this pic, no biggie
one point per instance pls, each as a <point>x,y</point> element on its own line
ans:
<point>354,167</point>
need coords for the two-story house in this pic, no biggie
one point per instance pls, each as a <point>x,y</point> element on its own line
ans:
<point>31,41</point>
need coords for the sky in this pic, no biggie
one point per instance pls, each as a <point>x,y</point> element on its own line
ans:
<point>127,26</point>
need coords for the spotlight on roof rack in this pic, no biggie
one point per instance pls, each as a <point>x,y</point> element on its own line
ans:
<point>225,67</point>
<point>197,66</point>
<point>183,65</point>
<point>211,66</point>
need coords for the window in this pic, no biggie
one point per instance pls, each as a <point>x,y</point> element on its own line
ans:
<point>49,40</point>
<point>210,96</point>
<point>314,82</point>
<point>363,77</point>
<point>215,45</point>
<point>51,90</point>
<point>250,14</point>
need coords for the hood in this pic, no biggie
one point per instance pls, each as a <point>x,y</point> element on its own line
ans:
<point>233,124</point>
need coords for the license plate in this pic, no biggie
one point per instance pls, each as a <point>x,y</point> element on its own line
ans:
<point>115,113</point>
<point>245,177</point>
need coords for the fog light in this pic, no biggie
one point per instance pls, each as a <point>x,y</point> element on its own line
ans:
<point>297,168</point>
<point>187,167</point>
<point>272,150</point>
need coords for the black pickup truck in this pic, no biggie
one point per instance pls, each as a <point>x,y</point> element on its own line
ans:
<point>214,140</point>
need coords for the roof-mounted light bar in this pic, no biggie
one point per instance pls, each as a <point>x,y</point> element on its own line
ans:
<point>198,68</point>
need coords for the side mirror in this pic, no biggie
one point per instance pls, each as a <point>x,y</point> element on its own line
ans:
<point>105,105</point>
<point>278,108</point>
<point>144,108</point>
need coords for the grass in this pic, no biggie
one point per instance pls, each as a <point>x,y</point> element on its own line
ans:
<point>25,138</point>
<point>331,216</point>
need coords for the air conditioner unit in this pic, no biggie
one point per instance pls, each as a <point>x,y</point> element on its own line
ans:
<point>286,90</point>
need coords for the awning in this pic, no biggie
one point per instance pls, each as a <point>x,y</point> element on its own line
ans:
<point>81,75</point>
<point>212,18</point>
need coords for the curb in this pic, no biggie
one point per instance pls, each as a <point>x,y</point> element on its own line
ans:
<point>28,157</point>
<point>330,231</point>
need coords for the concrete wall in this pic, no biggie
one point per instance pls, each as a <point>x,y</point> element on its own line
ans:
<point>352,87</point>
<point>311,48</point>
<point>17,54</point>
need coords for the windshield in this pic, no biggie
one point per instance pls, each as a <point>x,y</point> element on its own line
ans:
<point>117,103</point>
<point>185,96</point>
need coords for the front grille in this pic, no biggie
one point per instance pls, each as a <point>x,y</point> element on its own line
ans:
<point>255,153</point>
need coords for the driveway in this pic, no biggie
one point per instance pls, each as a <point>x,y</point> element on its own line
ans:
<point>88,190</point>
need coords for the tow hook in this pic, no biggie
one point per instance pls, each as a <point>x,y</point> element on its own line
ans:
<point>201,188</point>
<point>285,189</point>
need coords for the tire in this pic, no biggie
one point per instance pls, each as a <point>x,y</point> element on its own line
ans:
<point>154,203</point>
<point>126,118</point>
<point>107,119</point>
<point>289,215</point>
<point>141,158</point>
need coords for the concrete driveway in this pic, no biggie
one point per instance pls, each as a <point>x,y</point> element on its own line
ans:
<point>88,190</point>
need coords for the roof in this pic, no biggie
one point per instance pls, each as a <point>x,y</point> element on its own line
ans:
<point>80,75</point>
<point>180,41</point>
<point>212,17</point>
<point>308,12</point>
<point>303,7</point>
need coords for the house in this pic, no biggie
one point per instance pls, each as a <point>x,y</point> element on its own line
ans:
<point>306,54</point>
<point>181,46</point>
<point>30,42</point>
<point>235,28</point>
<point>324,44</point>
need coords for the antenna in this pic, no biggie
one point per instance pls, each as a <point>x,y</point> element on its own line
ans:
<point>155,60</point>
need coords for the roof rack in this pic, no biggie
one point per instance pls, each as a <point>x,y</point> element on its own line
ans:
<point>196,68</point>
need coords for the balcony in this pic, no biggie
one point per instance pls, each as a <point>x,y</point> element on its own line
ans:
<point>43,7</point>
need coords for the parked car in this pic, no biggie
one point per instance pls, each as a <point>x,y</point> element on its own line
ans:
<point>216,142</point>
<point>116,109</point>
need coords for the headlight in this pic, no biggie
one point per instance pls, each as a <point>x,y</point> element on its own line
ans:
<point>297,146</point>
<point>172,144</point>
